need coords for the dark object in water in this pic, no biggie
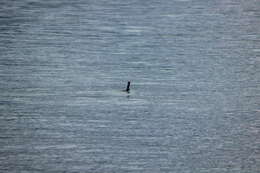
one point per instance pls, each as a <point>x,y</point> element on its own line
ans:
<point>128,87</point>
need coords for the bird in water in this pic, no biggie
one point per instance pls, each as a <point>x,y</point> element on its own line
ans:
<point>127,87</point>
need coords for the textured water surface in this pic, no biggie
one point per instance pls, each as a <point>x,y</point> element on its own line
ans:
<point>194,100</point>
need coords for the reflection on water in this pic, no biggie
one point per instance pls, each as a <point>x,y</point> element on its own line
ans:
<point>194,100</point>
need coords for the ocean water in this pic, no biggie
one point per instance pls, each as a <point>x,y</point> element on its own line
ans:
<point>194,100</point>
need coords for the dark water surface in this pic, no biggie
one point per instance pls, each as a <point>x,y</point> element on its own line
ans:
<point>194,101</point>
